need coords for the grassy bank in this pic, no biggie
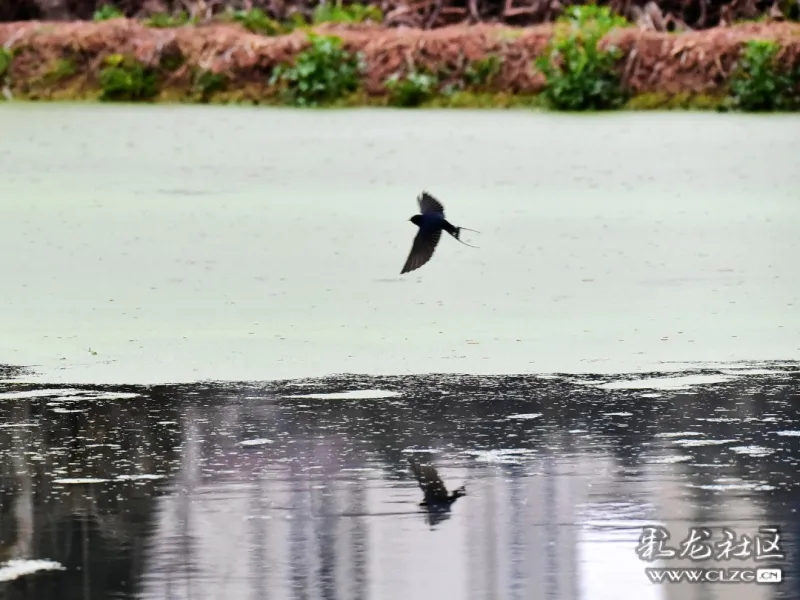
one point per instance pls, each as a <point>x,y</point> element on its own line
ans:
<point>589,60</point>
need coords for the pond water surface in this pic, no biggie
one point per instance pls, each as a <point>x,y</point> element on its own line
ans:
<point>184,285</point>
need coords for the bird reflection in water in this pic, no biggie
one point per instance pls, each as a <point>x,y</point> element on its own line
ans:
<point>437,499</point>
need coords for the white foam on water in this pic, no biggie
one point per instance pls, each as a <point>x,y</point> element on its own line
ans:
<point>113,395</point>
<point>693,443</point>
<point>665,383</point>
<point>749,371</point>
<point>351,395</point>
<point>80,480</point>
<point>14,425</point>
<point>68,394</point>
<point>511,455</point>
<point>524,416</point>
<point>37,394</point>
<point>420,450</point>
<point>732,486</point>
<point>668,460</point>
<point>788,433</point>
<point>143,476</point>
<point>678,434</point>
<point>753,450</point>
<point>256,442</point>
<point>13,569</point>
<point>619,414</point>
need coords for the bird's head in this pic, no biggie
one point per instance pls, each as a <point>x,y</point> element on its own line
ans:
<point>462,491</point>
<point>416,220</point>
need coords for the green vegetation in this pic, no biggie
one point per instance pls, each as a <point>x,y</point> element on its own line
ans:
<point>206,83</point>
<point>412,89</point>
<point>106,12</point>
<point>681,101</point>
<point>165,20</point>
<point>581,69</point>
<point>126,79</point>
<point>5,63</point>
<point>481,73</point>
<point>423,88</point>
<point>352,13</point>
<point>579,74</point>
<point>255,21</point>
<point>758,84</point>
<point>61,69</point>
<point>56,71</point>
<point>322,74</point>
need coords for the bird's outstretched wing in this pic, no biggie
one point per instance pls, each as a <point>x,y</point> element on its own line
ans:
<point>428,480</point>
<point>421,251</point>
<point>428,203</point>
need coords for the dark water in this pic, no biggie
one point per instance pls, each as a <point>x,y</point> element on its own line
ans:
<point>243,491</point>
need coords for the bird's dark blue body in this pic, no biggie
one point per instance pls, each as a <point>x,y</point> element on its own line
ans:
<point>431,222</point>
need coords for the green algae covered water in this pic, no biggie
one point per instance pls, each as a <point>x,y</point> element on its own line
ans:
<point>170,243</point>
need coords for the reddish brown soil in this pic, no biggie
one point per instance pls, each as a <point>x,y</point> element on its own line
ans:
<point>697,62</point>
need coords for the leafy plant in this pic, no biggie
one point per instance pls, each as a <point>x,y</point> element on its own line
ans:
<point>352,13</point>
<point>578,74</point>
<point>126,79</point>
<point>257,21</point>
<point>758,84</point>
<point>410,90</point>
<point>106,12</point>
<point>481,72</point>
<point>321,74</point>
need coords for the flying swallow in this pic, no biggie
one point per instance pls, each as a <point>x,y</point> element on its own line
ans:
<point>431,222</point>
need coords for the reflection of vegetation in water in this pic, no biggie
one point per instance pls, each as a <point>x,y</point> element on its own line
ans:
<point>107,534</point>
<point>110,523</point>
<point>580,75</point>
<point>759,83</point>
<point>320,74</point>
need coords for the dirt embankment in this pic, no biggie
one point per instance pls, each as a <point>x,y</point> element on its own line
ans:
<point>52,59</point>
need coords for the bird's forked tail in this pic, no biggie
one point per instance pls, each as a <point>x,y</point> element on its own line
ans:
<point>457,234</point>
